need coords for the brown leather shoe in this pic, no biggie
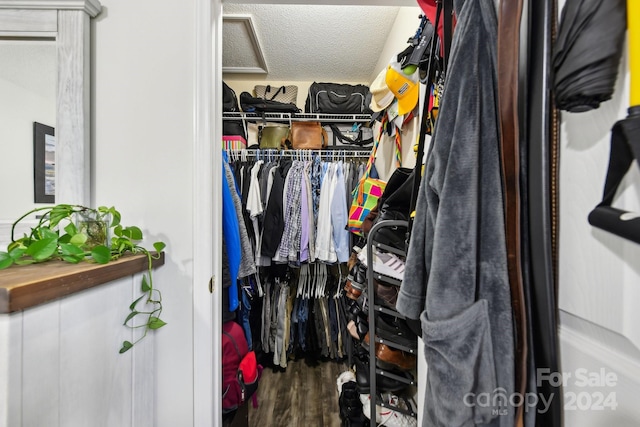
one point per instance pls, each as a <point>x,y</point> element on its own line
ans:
<point>386,294</point>
<point>350,291</point>
<point>390,358</point>
<point>365,341</point>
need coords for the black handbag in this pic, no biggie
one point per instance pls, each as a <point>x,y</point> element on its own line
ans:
<point>343,136</point>
<point>252,104</point>
<point>337,98</point>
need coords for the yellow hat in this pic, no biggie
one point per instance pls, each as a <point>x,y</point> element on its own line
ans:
<point>406,88</point>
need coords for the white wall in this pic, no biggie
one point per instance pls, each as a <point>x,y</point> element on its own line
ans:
<point>404,27</point>
<point>599,273</point>
<point>143,133</point>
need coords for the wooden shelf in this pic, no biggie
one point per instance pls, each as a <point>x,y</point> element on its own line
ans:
<point>29,285</point>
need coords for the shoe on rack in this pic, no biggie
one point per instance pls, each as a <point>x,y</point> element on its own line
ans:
<point>396,418</point>
<point>396,330</point>
<point>385,294</point>
<point>384,263</point>
<point>351,292</point>
<point>388,264</point>
<point>391,358</point>
<point>362,327</point>
<point>383,383</point>
<point>365,399</point>
<point>354,309</point>
<point>386,416</point>
<point>396,236</point>
<point>404,341</point>
<point>365,341</point>
<point>356,281</point>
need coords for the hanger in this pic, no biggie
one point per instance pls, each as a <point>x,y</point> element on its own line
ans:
<point>338,292</point>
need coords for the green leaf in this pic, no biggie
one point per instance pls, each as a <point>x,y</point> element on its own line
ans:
<point>131,316</point>
<point>71,229</point>
<point>73,259</point>
<point>133,304</point>
<point>17,252</point>
<point>133,232</point>
<point>78,239</point>
<point>118,231</point>
<point>70,249</point>
<point>47,233</point>
<point>42,249</point>
<point>14,245</point>
<point>155,323</point>
<point>5,260</point>
<point>159,246</point>
<point>24,261</point>
<point>126,345</point>
<point>115,216</point>
<point>145,284</point>
<point>65,238</point>
<point>101,254</point>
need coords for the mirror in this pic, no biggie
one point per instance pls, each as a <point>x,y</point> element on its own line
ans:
<point>51,42</point>
<point>28,88</point>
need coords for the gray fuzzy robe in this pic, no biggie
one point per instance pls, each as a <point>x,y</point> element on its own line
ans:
<point>456,270</point>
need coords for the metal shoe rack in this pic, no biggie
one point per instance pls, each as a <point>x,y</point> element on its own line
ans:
<point>372,244</point>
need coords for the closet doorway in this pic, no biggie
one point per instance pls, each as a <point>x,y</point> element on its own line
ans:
<point>208,213</point>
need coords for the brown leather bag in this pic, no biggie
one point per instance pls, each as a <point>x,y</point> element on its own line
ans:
<point>307,136</point>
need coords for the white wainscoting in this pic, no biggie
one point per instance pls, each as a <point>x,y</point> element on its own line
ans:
<point>591,351</point>
<point>60,366</point>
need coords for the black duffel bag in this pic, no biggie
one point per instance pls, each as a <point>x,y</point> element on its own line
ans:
<point>229,99</point>
<point>338,98</point>
<point>251,104</point>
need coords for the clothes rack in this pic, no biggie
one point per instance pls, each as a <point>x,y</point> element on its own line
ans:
<point>272,154</point>
<point>298,117</point>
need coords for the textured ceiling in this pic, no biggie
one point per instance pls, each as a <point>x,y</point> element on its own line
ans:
<point>308,42</point>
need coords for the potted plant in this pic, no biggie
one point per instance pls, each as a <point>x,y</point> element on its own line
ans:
<point>74,233</point>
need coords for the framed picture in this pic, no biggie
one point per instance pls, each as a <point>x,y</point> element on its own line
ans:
<point>44,163</point>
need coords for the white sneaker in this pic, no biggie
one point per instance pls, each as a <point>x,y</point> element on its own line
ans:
<point>388,264</point>
<point>384,263</point>
<point>396,419</point>
<point>345,377</point>
<point>380,411</point>
<point>388,417</point>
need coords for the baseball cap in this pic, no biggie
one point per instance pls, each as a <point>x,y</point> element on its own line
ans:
<point>381,96</point>
<point>406,88</point>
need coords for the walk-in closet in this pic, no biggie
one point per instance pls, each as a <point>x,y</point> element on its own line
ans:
<point>304,306</point>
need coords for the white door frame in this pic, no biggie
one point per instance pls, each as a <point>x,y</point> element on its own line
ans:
<point>207,174</point>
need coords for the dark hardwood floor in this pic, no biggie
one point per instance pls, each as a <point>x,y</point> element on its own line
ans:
<point>305,394</point>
